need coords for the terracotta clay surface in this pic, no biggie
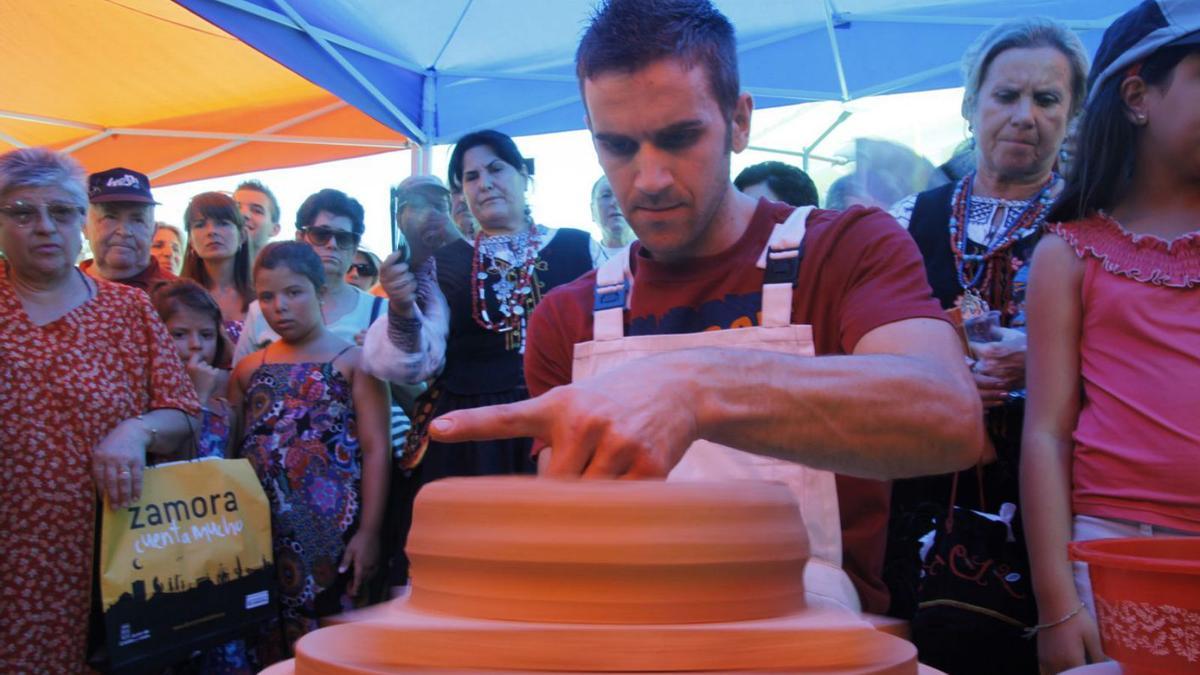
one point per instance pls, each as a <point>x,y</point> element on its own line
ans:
<point>523,575</point>
<point>522,549</point>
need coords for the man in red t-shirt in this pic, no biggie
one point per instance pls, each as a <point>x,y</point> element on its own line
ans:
<point>889,395</point>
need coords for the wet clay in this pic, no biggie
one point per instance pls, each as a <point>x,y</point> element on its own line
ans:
<point>524,575</point>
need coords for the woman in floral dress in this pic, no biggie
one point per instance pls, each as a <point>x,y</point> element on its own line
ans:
<point>89,383</point>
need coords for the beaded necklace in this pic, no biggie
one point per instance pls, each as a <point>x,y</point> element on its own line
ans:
<point>514,283</point>
<point>985,264</point>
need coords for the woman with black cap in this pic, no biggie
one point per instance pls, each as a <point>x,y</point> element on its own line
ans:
<point>1111,434</point>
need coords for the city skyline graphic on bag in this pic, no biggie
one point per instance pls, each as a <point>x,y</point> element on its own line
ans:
<point>187,566</point>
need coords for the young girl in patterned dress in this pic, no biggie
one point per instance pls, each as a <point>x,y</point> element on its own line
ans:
<point>1111,433</point>
<point>315,427</point>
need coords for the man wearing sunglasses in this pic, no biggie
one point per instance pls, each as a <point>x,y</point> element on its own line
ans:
<point>331,222</point>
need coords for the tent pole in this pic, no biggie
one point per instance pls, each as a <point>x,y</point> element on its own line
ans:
<point>350,70</point>
<point>836,161</point>
<point>837,52</point>
<point>238,140</point>
<point>12,140</point>
<point>428,119</point>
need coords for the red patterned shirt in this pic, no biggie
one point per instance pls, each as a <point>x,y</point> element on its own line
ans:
<point>63,387</point>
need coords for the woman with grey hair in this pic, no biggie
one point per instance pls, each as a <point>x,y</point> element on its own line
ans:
<point>89,383</point>
<point>1025,81</point>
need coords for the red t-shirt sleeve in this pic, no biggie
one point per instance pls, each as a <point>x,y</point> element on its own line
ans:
<point>886,276</point>
<point>554,328</point>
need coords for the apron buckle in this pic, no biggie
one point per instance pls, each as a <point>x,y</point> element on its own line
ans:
<point>611,296</point>
<point>783,267</point>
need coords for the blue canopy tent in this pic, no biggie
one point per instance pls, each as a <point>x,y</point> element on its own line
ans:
<point>436,70</point>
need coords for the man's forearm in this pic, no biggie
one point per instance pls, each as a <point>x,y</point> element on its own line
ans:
<point>874,416</point>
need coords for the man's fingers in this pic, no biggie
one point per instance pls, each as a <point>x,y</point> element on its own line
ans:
<point>397,256</point>
<point>591,454</point>
<point>509,420</point>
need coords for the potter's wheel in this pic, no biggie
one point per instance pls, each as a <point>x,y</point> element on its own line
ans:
<point>527,575</point>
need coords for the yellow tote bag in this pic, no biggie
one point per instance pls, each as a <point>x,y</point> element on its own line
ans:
<point>187,566</point>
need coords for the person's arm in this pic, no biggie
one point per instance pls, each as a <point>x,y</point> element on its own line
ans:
<point>252,326</point>
<point>169,418</point>
<point>1054,310</point>
<point>902,405</point>
<point>408,344</point>
<point>236,395</point>
<point>120,457</point>
<point>372,412</point>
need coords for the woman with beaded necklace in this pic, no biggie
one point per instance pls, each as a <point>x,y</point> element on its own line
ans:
<point>491,285</point>
<point>1025,82</point>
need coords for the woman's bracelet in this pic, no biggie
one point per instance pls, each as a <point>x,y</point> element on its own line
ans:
<point>1034,630</point>
<point>153,431</point>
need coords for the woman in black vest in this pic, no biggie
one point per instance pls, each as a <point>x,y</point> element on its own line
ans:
<point>1025,82</point>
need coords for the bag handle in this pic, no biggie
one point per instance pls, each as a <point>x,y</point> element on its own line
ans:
<point>954,495</point>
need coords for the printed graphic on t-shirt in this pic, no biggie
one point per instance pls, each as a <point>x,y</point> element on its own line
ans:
<point>732,311</point>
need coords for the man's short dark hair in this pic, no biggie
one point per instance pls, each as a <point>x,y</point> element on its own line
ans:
<point>257,186</point>
<point>334,201</point>
<point>788,183</point>
<point>628,35</point>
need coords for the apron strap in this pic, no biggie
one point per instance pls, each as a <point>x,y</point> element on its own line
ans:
<point>613,291</point>
<point>781,260</point>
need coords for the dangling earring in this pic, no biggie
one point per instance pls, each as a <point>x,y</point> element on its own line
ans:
<point>528,215</point>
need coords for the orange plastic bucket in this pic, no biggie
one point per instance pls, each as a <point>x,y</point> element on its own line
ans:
<point>1147,592</point>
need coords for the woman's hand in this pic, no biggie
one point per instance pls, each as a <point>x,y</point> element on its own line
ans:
<point>204,377</point>
<point>1073,643</point>
<point>362,553</point>
<point>118,461</point>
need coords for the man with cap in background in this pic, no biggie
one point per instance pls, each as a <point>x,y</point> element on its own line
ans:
<point>409,346</point>
<point>119,228</point>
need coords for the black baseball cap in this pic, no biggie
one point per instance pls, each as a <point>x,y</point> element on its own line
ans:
<point>1140,32</point>
<point>119,185</point>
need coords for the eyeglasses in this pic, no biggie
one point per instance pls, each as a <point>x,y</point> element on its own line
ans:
<point>25,214</point>
<point>364,269</point>
<point>320,236</point>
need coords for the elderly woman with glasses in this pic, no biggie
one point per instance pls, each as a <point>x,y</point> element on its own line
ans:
<point>331,222</point>
<point>89,384</point>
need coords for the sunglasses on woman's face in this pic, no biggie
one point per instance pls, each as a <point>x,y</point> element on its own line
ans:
<point>320,236</point>
<point>364,269</point>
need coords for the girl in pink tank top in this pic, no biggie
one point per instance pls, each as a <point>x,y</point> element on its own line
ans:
<point>1112,435</point>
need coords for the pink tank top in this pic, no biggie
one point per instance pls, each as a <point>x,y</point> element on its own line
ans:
<point>1137,441</point>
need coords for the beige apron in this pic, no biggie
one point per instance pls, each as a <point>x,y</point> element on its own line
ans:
<point>816,491</point>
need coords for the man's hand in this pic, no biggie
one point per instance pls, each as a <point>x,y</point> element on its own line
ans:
<point>635,421</point>
<point>999,367</point>
<point>399,283</point>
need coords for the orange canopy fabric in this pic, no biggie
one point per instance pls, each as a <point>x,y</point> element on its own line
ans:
<point>148,85</point>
